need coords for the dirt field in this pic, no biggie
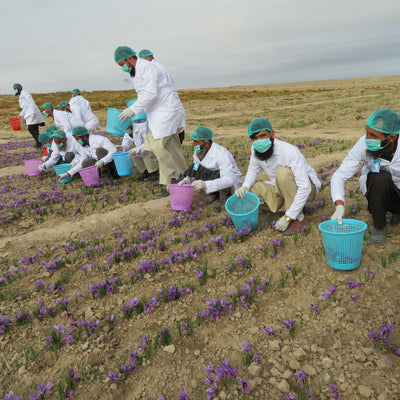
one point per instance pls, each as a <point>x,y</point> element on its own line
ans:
<point>74,257</point>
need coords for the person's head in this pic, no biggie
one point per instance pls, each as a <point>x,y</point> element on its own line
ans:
<point>76,92</point>
<point>262,136</point>
<point>202,140</point>
<point>146,54</point>
<point>45,138</point>
<point>64,105</point>
<point>60,139</point>
<point>17,88</point>
<point>382,132</point>
<point>81,135</point>
<point>126,58</point>
<point>51,129</point>
<point>48,109</point>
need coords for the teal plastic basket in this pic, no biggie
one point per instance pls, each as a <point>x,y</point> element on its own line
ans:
<point>343,243</point>
<point>244,212</point>
<point>123,163</point>
<point>137,118</point>
<point>61,169</point>
<point>114,125</point>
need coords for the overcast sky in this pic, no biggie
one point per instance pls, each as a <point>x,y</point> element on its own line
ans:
<point>51,46</point>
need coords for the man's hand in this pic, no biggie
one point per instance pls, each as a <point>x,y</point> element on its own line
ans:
<point>127,113</point>
<point>240,192</point>
<point>199,184</point>
<point>339,214</point>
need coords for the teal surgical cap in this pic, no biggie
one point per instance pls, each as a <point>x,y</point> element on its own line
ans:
<point>48,105</point>
<point>59,134</point>
<point>385,120</point>
<point>122,53</point>
<point>76,91</point>
<point>64,104</point>
<point>80,131</point>
<point>145,53</point>
<point>51,129</point>
<point>258,125</point>
<point>44,137</point>
<point>202,133</point>
<point>17,86</point>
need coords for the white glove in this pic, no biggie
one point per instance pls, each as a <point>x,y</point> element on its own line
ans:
<point>282,224</point>
<point>42,168</point>
<point>44,158</point>
<point>99,163</point>
<point>21,114</point>
<point>339,214</point>
<point>73,163</point>
<point>133,152</point>
<point>184,181</point>
<point>119,149</point>
<point>63,176</point>
<point>127,113</point>
<point>240,192</point>
<point>199,184</point>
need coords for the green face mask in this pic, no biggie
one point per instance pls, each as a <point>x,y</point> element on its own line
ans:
<point>48,145</point>
<point>45,113</point>
<point>262,145</point>
<point>81,142</point>
<point>61,144</point>
<point>125,68</point>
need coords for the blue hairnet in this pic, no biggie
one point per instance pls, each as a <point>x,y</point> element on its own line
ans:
<point>201,133</point>
<point>80,131</point>
<point>59,133</point>
<point>76,91</point>
<point>48,105</point>
<point>122,53</point>
<point>145,53</point>
<point>385,120</point>
<point>17,86</point>
<point>44,137</point>
<point>64,104</point>
<point>258,125</point>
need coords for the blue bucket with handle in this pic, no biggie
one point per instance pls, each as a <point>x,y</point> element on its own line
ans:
<point>123,163</point>
<point>114,125</point>
<point>140,117</point>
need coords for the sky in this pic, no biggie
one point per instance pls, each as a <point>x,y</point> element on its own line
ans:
<point>52,46</point>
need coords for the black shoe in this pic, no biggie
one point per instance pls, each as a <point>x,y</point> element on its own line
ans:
<point>163,193</point>
<point>210,198</point>
<point>153,176</point>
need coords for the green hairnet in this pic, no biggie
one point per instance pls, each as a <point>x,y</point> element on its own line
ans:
<point>258,125</point>
<point>51,129</point>
<point>17,86</point>
<point>145,53</point>
<point>48,105</point>
<point>80,131</point>
<point>385,120</point>
<point>44,137</point>
<point>76,91</point>
<point>64,104</point>
<point>202,133</point>
<point>122,53</point>
<point>60,134</point>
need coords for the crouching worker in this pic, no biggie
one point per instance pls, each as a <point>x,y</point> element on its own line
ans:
<point>291,180</point>
<point>63,150</point>
<point>214,169</point>
<point>133,141</point>
<point>379,153</point>
<point>95,150</point>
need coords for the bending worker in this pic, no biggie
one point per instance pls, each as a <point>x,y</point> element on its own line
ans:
<point>378,150</point>
<point>63,120</point>
<point>214,169</point>
<point>80,107</point>
<point>30,112</point>
<point>292,181</point>
<point>165,114</point>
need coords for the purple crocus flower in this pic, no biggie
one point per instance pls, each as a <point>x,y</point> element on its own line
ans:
<point>113,377</point>
<point>369,272</point>
<point>246,347</point>
<point>352,284</point>
<point>209,369</point>
<point>300,376</point>
<point>335,392</point>
<point>245,386</point>
<point>183,395</point>
<point>290,396</point>
<point>353,298</point>
<point>44,387</point>
<point>269,331</point>
<point>315,308</point>
<point>210,392</point>
<point>326,296</point>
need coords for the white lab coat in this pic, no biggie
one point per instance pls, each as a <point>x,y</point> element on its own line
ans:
<point>285,155</point>
<point>138,136</point>
<point>358,155</point>
<point>165,112</point>
<point>29,109</point>
<point>80,107</point>
<point>71,146</point>
<point>219,158</point>
<point>65,121</point>
<point>165,71</point>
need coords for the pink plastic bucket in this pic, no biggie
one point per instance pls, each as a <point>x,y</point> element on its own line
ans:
<point>32,167</point>
<point>90,176</point>
<point>181,196</point>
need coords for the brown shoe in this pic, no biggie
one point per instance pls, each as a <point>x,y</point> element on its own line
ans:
<point>296,226</point>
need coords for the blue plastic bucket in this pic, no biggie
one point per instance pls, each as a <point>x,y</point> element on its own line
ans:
<point>123,163</point>
<point>114,125</point>
<point>244,212</point>
<point>140,117</point>
<point>343,243</point>
<point>61,169</point>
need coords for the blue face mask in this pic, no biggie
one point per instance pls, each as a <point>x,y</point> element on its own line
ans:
<point>125,68</point>
<point>45,113</point>
<point>48,145</point>
<point>61,144</point>
<point>262,145</point>
<point>81,142</point>
<point>197,148</point>
<point>374,144</point>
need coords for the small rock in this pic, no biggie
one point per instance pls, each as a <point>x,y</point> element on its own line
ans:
<point>283,386</point>
<point>327,362</point>
<point>254,369</point>
<point>360,356</point>
<point>169,349</point>
<point>299,354</point>
<point>309,370</point>
<point>196,352</point>
<point>274,345</point>
<point>365,391</point>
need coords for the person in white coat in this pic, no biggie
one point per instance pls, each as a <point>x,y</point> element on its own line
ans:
<point>379,153</point>
<point>80,107</point>
<point>214,169</point>
<point>63,120</point>
<point>30,112</point>
<point>292,182</point>
<point>165,114</point>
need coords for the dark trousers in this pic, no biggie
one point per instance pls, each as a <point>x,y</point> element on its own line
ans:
<point>34,131</point>
<point>383,196</point>
<point>100,153</point>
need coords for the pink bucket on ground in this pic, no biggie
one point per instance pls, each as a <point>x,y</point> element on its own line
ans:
<point>15,124</point>
<point>181,196</point>
<point>90,175</point>
<point>32,167</point>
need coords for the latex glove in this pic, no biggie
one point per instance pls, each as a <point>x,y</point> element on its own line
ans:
<point>133,152</point>
<point>99,164</point>
<point>184,181</point>
<point>73,163</point>
<point>42,168</point>
<point>127,113</point>
<point>240,192</point>
<point>119,149</point>
<point>339,214</point>
<point>199,184</point>
<point>44,158</point>
<point>281,225</point>
<point>63,176</point>
<point>20,114</point>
